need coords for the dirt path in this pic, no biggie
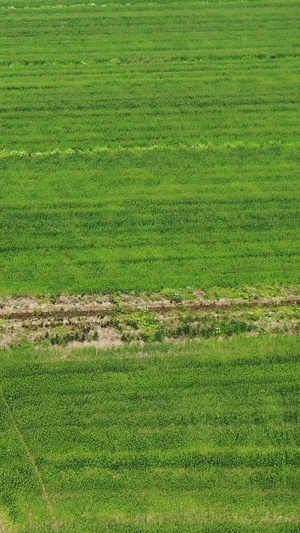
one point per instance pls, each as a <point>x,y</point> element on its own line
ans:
<point>111,320</point>
<point>26,308</point>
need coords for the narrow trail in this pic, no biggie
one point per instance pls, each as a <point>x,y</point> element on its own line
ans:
<point>32,459</point>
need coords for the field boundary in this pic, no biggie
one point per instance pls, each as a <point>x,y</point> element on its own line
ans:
<point>101,309</point>
<point>111,320</point>
<point>33,461</point>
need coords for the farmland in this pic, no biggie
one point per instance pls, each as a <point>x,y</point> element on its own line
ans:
<point>149,202</point>
<point>200,437</point>
<point>148,145</point>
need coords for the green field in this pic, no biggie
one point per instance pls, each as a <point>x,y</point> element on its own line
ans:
<point>150,146</point>
<point>168,142</point>
<point>202,437</point>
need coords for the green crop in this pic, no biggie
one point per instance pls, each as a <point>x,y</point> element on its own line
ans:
<point>148,145</point>
<point>196,437</point>
<point>149,221</point>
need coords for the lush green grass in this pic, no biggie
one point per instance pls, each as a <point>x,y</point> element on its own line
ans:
<point>130,76</point>
<point>142,74</point>
<point>149,220</point>
<point>194,438</point>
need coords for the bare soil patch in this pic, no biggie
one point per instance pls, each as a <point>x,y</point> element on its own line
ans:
<point>111,320</point>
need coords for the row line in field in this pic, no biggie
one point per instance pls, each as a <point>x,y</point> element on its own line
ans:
<point>72,6</point>
<point>155,147</point>
<point>122,4</point>
<point>93,4</point>
<point>181,58</point>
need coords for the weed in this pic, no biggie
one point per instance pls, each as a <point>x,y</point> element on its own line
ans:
<point>173,295</point>
<point>38,311</point>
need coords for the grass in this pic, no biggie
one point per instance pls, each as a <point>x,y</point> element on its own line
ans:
<point>197,437</point>
<point>167,136</point>
<point>147,146</point>
<point>148,221</point>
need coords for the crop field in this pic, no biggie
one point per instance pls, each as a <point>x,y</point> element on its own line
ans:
<point>149,192</point>
<point>201,437</point>
<point>147,145</point>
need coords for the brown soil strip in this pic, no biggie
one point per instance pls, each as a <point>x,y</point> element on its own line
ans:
<point>111,320</point>
<point>32,459</point>
<point>100,310</point>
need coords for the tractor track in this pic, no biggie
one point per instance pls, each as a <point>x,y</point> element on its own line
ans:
<point>101,310</point>
<point>111,320</point>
